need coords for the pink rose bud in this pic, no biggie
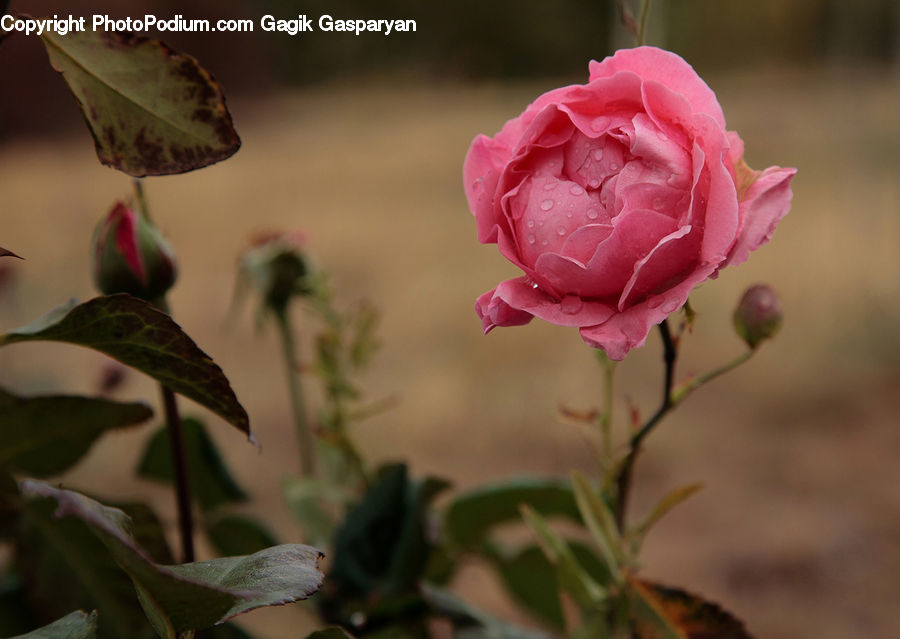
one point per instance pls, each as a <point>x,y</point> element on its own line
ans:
<point>131,256</point>
<point>758,315</point>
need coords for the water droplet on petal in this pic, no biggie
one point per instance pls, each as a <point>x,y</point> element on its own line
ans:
<point>658,203</point>
<point>549,186</point>
<point>597,154</point>
<point>546,205</point>
<point>673,180</point>
<point>571,304</point>
<point>613,166</point>
<point>593,213</point>
<point>530,224</point>
<point>568,213</point>
<point>531,238</point>
<point>576,189</point>
<point>594,183</point>
<point>561,230</point>
<point>544,242</point>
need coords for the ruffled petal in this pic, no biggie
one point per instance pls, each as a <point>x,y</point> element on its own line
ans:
<point>667,68</point>
<point>515,301</point>
<point>765,202</point>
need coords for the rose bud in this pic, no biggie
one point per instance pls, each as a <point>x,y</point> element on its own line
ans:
<point>278,268</point>
<point>131,256</point>
<point>615,198</point>
<point>758,315</point>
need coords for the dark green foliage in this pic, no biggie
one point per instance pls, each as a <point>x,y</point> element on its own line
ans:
<point>142,337</point>
<point>210,480</point>
<point>45,436</point>
<point>238,535</point>
<point>75,625</point>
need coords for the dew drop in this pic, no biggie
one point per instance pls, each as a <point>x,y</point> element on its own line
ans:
<point>561,231</point>
<point>613,166</point>
<point>569,214</point>
<point>576,189</point>
<point>530,224</point>
<point>549,186</point>
<point>544,242</point>
<point>597,154</point>
<point>531,238</point>
<point>594,183</point>
<point>546,205</point>
<point>478,186</point>
<point>571,304</point>
<point>593,213</point>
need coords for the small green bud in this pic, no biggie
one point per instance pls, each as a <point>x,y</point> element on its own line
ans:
<point>278,268</point>
<point>758,315</point>
<point>131,256</point>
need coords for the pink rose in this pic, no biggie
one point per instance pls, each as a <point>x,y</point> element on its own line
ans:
<point>616,198</point>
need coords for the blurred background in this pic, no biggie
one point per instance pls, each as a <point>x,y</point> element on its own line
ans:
<point>359,140</point>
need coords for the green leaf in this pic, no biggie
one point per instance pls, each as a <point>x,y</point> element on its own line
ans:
<point>666,504</point>
<point>46,435</point>
<point>151,110</point>
<point>307,498</point>
<point>333,632</point>
<point>532,582</point>
<point>239,535</point>
<point>471,623</point>
<point>186,597</point>
<point>138,335</point>
<point>210,481</point>
<point>382,546</point>
<point>573,578</point>
<point>670,613</point>
<point>147,530</point>
<point>601,523</point>
<point>53,552</point>
<point>75,625</point>
<point>471,515</point>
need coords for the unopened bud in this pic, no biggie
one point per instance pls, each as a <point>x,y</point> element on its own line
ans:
<point>758,315</point>
<point>131,256</point>
<point>278,267</point>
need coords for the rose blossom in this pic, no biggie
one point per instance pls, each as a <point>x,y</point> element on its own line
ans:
<point>616,198</point>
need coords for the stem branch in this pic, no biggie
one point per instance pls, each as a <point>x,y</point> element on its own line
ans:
<point>623,482</point>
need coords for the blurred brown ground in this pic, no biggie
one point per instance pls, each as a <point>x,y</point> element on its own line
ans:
<point>798,528</point>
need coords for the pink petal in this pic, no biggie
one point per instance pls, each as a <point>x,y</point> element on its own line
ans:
<point>652,64</point>
<point>765,202</point>
<point>515,301</point>
<point>629,329</point>
<point>609,269</point>
<point>481,171</point>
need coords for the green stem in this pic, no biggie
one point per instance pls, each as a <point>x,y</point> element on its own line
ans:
<point>688,387</point>
<point>623,481</point>
<point>642,24</point>
<point>298,404</point>
<point>606,417</point>
<point>141,199</point>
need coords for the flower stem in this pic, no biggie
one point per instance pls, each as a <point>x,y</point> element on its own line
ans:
<point>141,199</point>
<point>642,24</point>
<point>623,481</point>
<point>606,417</point>
<point>179,463</point>
<point>688,387</point>
<point>298,404</point>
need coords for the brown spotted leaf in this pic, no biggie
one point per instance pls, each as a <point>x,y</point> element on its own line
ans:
<point>151,110</point>
<point>662,612</point>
